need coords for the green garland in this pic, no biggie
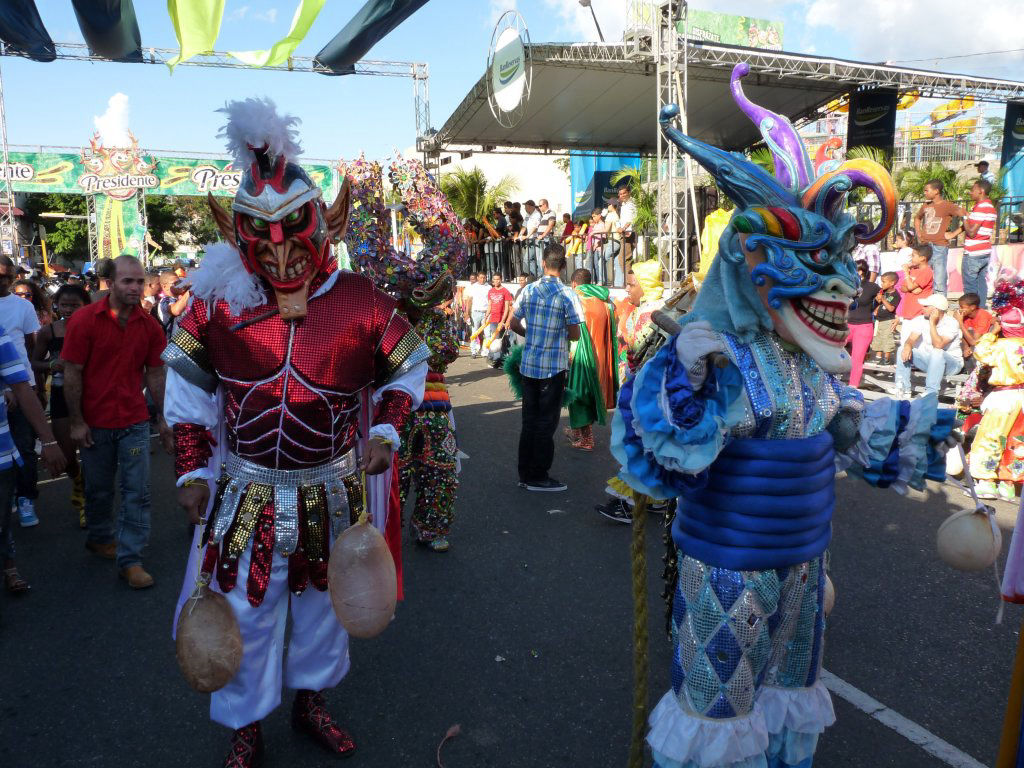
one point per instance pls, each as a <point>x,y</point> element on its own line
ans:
<point>515,378</point>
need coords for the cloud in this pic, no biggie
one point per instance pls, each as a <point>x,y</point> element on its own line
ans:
<point>883,30</point>
<point>575,23</point>
<point>247,12</point>
<point>497,9</point>
<point>112,125</point>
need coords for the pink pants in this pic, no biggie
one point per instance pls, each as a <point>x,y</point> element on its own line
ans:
<point>860,339</point>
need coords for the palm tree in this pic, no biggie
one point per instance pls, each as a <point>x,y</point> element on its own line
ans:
<point>644,194</point>
<point>470,194</point>
<point>910,181</point>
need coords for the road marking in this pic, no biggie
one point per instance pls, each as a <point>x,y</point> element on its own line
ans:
<point>908,729</point>
<point>502,410</point>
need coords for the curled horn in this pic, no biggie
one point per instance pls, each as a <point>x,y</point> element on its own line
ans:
<point>827,196</point>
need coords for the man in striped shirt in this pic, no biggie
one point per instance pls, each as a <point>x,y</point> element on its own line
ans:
<point>978,226</point>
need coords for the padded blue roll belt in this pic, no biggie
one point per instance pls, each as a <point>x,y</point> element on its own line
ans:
<point>767,504</point>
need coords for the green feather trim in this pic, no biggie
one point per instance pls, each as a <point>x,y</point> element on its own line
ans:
<point>515,378</point>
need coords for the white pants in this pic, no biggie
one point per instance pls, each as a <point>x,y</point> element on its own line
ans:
<point>317,654</point>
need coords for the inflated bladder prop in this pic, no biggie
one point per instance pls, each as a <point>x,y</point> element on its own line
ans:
<point>208,643</point>
<point>362,581</point>
<point>969,540</point>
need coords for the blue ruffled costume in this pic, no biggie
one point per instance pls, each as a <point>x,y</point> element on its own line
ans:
<point>751,455</point>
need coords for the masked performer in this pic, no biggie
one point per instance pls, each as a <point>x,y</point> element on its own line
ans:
<point>997,453</point>
<point>741,417</point>
<point>429,454</point>
<point>272,369</point>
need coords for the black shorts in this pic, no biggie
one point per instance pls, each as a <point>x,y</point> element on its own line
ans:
<point>58,405</point>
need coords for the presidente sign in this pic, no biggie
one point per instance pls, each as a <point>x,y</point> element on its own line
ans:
<point>121,174</point>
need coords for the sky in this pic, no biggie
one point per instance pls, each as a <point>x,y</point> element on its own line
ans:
<point>56,104</point>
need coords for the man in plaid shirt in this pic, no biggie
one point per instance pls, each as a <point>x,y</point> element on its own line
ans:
<point>547,314</point>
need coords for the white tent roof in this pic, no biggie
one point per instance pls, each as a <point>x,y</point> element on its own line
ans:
<point>603,97</point>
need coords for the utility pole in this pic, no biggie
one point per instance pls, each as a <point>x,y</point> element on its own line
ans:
<point>588,4</point>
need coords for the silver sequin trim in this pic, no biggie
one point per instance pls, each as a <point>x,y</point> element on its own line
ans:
<point>286,483</point>
<point>178,361</point>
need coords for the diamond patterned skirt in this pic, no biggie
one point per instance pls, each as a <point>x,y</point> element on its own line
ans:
<point>746,658</point>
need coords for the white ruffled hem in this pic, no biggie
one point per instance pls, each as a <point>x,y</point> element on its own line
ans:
<point>805,710</point>
<point>703,741</point>
<point>708,743</point>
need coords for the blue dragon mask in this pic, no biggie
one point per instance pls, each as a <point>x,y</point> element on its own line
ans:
<point>784,261</point>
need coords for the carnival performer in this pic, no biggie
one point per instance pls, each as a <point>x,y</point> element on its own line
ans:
<point>279,364</point>
<point>644,292</point>
<point>429,456</point>
<point>741,417</point>
<point>592,370</point>
<point>997,453</point>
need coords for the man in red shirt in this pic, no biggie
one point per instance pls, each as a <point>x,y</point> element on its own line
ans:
<point>499,309</point>
<point>979,225</point>
<point>109,347</point>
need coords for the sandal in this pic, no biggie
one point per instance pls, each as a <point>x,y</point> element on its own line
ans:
<point>14,583</point>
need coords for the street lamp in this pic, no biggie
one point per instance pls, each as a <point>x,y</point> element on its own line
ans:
<point>587,4</point>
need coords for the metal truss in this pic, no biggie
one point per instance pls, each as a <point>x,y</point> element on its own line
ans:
<point>150,55</point>
<point>8,230</point>
<point>783,65</point>
<point>418,71</point>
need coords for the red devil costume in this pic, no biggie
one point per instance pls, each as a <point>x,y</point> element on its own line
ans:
<point>280,365</point>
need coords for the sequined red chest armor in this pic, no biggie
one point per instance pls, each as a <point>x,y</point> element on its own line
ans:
<point>292,389</point>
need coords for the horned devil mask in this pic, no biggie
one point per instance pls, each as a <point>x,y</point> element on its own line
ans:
<point>278,220</point>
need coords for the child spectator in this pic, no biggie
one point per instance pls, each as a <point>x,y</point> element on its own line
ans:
<point>884,308</point>
<point>917,282</point>
<point>861,323</point>
<point>974,321</point>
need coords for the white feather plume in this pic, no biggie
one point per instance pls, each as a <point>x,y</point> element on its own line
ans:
<point>222,276</point>
<point>254,122</point>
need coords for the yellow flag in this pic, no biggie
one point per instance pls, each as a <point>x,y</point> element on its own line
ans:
<point>196,25</point>
<point>303,19</point>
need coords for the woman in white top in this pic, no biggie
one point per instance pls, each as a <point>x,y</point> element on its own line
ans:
<point>613,245</point>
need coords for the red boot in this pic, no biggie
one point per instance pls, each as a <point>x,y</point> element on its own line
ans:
<point>246,747</point>
<point>309,716</point>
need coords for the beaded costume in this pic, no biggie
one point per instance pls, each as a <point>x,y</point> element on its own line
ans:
<point>429,454</point>
<point>749,445</point>
<point>277,369</point>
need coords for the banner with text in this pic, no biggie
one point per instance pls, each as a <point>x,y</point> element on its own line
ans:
<point>1013,150</point>
<point>873,120</point>
<point>121,174</point>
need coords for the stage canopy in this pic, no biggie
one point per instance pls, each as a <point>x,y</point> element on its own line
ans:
<point>602,97</point>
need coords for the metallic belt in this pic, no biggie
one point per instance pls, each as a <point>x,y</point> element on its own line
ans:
<point>241,473</point>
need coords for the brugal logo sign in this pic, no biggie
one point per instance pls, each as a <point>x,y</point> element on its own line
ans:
<point>1018,129</point>
<point>508,70</point>
<point>867,115</point>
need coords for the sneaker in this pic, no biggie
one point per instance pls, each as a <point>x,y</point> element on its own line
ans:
<point>547,484</point>
<point>1007,491</point>
<point>986,489</point>
<point>27,512</point>
<point>616,510</point>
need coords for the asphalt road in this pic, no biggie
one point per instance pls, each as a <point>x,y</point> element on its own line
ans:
<point>521,633</point>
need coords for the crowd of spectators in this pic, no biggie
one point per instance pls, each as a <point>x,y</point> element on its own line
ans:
<point>510,241</point>
<point>86,348</point>
<point>904,316</point>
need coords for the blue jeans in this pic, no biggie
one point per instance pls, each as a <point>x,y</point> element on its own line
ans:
<point>597,258</point>
<point>938,265</point>
<point>127,448</point>
<point>494,353</point>
<point>973,269</point>
<point>613,264</point>
<point>935,363</point>
<point>24,438</point>
<point>8,479</point>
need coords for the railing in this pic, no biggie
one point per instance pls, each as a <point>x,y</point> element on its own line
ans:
<point>1009,229</point>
